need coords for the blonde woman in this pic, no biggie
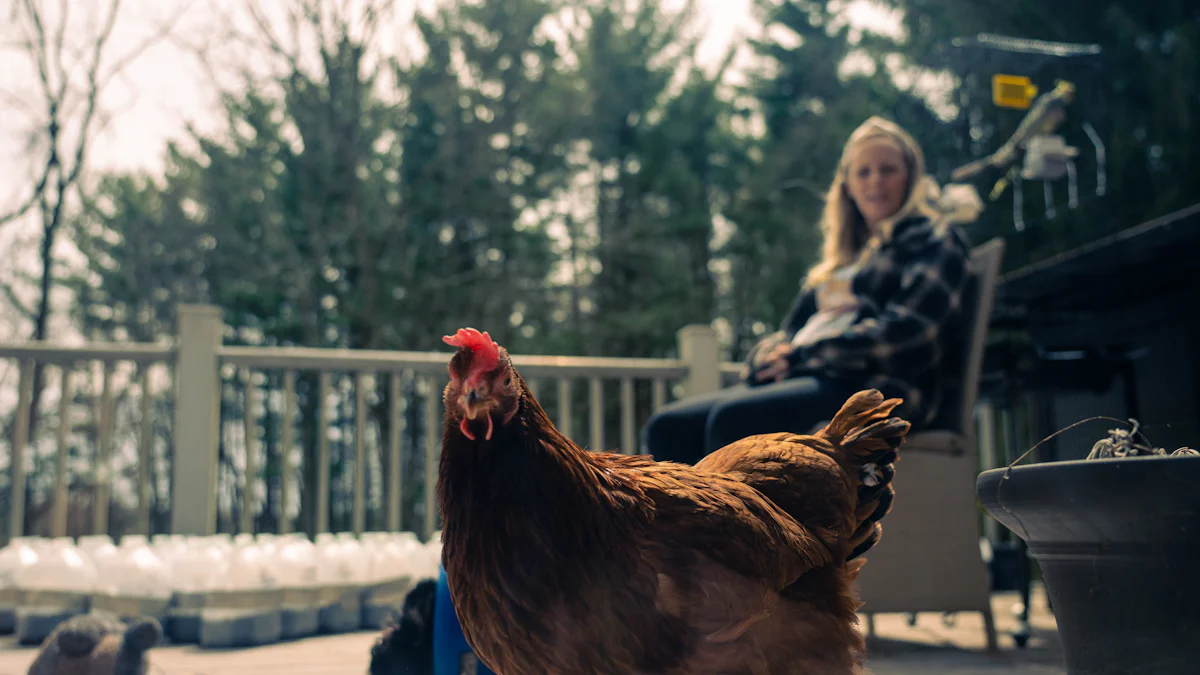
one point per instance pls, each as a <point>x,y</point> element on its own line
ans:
<point>872,312</point>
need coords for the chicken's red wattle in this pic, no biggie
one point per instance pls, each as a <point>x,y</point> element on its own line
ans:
<point>467,431</point>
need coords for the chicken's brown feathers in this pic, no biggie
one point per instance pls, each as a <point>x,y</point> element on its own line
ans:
<point>836,482</point>
<point>561,560</point>
<point>868,438</point>
<point>859,416</point>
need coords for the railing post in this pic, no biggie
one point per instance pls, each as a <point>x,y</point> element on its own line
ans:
<point>700,350</point>
<point>197,421</point>
<point>20,445</point>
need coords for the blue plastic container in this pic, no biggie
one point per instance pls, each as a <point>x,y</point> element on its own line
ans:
<point>451,653</point>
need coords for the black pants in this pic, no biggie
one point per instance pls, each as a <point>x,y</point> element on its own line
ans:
<point>688,429</point>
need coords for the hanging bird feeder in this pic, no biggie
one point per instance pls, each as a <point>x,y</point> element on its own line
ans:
<point>1026,108</point>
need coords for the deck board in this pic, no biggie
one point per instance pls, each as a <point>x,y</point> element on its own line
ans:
<point>929,648</point>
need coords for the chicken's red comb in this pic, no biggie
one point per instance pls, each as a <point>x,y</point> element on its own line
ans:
<point>486,352</point>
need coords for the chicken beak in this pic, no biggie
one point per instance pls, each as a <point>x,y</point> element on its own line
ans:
<point>474,399</point>
<point>475,402</point>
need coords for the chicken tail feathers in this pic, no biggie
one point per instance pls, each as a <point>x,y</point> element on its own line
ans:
<point>867,436</point>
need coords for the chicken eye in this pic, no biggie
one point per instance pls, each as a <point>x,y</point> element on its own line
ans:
<point>508,381</point>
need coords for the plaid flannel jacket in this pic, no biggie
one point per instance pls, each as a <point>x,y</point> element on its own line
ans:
<point>909,292</point>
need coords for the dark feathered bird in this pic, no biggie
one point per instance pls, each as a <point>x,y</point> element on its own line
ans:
<point>406,645</point>
<point>562,561</point>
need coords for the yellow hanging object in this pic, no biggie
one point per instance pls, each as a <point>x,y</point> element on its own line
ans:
<point>1013,91</point>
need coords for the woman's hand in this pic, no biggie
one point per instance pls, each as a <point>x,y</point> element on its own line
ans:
<point>776,364</point>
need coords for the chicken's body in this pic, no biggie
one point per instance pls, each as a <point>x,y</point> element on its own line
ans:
<point>563,561</point>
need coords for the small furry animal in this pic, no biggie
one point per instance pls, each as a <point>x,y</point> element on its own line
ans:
<point>98,643</point>
<point>406,645</point>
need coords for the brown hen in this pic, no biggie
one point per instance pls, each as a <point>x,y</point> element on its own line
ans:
<point>562,561</point>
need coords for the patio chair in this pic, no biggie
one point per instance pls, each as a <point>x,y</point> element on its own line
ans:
<point>929,557</point>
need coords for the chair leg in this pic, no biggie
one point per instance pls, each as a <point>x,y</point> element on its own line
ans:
<point>989,628</point>
<point>1024,579</point>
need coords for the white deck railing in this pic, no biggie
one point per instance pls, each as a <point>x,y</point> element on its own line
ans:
<point>199,366</point>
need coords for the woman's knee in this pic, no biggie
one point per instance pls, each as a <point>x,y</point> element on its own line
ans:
<point>677,431</point>
<point>793,405</point>
<point>675,435</point>
<point>652,433</point>
<point>732,421</point>
<point>659,430</point>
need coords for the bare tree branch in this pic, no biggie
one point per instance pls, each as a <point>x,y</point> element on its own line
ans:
<point>60,37</point>
<point>15,101</point>
<point>10,295</point>
<point>373,16</point>
<point>164,30</point>
<point>35,40</point>
<point>276,47</point>
<point>324,21</point>
<point>54,79</point>
<point>201,51</point>
<point>55,64</point>
<point>85,123</point>
<point>38,189</point>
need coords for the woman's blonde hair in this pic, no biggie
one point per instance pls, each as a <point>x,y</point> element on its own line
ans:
<point>845,231</point>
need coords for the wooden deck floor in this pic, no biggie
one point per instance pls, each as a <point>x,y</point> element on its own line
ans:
<point>929,648</point>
